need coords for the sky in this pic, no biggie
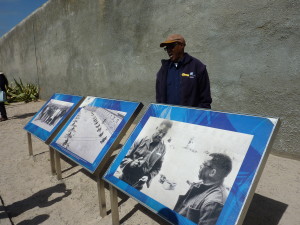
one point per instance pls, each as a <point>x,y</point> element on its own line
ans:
<point>13,12</point>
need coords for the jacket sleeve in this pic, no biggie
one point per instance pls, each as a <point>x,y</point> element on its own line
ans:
<point>129,157</point>
<point>3,82</point>
<point>6,81</point>
<point>204,90</point>
<point>155,170</point>
<point>157,87</point>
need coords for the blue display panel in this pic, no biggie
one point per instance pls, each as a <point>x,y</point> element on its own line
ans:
<point>92,130</point>
<point>45,122</point>
<point>191,165</point>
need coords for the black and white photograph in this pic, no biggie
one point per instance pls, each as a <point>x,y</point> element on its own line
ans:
<point>185,166</point>
<point>51,114</point>
<point>88,132</point>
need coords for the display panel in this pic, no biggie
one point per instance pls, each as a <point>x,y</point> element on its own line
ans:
<point>93,129</point>
<point>51,115</point>
<point>192,166</point>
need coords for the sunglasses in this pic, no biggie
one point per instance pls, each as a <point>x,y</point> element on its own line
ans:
<point>205,164</point>
<point>170,46</point>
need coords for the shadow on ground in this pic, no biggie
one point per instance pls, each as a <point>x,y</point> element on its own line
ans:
<point>39,199</point>
<point>139,207</point>
<point>23,116</point>
<point>36,220</point>
<point>264,211</point>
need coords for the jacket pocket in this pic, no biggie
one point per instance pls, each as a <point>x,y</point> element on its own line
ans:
<point>193,214</point>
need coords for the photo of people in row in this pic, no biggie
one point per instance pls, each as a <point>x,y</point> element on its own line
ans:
<point>51,114</point>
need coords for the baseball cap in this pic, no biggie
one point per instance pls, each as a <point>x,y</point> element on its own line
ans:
<point>173,38</point>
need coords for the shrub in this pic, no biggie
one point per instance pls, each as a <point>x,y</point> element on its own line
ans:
<point>18,92</point>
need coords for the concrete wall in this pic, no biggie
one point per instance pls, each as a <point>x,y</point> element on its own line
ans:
<point>111,49</point>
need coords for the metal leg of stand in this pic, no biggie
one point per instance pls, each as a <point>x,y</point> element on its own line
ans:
<point>114,205</point>
<point>57,165</point>
<point>52,162</point>
<point>101,196</point>
<point>29,144</point>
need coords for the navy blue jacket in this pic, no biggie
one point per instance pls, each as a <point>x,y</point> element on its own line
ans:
<point>194,82</point>
<point>3,82</point>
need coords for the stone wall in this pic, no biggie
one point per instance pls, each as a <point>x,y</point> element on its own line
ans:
<point>111,49</point>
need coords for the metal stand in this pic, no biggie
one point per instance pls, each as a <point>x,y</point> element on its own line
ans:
<point>57,165</point>
<point>114,205</point>
<point>51,151</point>
<point>101,196</point>
<point>29,144</point>
<point>52,163</point>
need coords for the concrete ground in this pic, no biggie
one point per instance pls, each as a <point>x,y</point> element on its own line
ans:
<point>31,195</point>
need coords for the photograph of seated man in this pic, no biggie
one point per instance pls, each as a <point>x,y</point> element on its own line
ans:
<point>205,199</point>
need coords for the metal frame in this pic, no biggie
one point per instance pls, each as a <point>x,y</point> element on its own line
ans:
<point>100,183</point>
<point>52,162</point>
<point>114,205</point>
<point>258,174</point>
<point>162,111</point>
<point>57,165</point>
<point>98,172</point>
<point>47,136</point>
<point>103,156</point>
<point>33,129</point>
<point>54,154</point>
<point>51,153</point>
<point>101,196</point>
<point>29,144</point>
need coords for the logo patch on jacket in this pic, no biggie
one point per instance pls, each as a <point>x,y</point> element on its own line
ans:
<point>192,75</point>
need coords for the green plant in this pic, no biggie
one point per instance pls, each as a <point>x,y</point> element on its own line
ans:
<point>18,92</point>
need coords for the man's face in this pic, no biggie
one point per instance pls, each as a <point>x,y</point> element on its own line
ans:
<point>175,51</point>
<point>205,169</point>
<point>160,132</point>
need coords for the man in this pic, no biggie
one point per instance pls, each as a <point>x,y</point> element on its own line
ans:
<point>204,201</point>
<point>145,158</point>
<point>3,84</point>
<point>182,79</point>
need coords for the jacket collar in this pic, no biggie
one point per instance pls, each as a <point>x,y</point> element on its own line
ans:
<point>149,141</point>
<point>186,59</point>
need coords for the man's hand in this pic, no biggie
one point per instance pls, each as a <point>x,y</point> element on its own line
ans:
<point>136,162</point>
<point>144,179</point>
<point>126,161</point>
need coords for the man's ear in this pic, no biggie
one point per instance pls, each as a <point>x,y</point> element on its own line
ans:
<point>212,172</point>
